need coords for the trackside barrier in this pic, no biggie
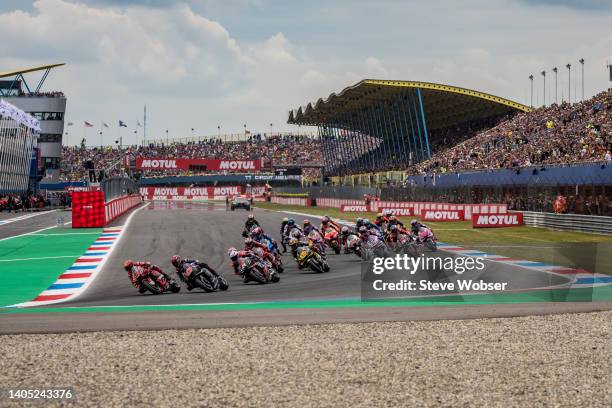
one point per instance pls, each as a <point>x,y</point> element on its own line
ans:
<point>337,202</point>
<point>417,208</point>
<point>305,202</point>
<point>119,206</point>
<point>89,209</point>
<point>569,222</point>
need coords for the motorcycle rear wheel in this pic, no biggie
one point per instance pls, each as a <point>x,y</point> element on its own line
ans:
<point>203,283</point>
<point>154,289</point>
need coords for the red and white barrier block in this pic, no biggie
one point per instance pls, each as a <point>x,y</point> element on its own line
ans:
<point>337,202</point>
<point>119,206</point>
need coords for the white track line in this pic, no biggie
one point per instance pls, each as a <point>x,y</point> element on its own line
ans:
<point>33,232</point>
<point>34,259</point>
<point>25,217</point>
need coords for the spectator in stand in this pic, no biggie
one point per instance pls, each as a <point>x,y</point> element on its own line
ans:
<point>559,134</point>
<point>284,150</point>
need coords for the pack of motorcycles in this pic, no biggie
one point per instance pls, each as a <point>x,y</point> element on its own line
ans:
<point>307,254</point>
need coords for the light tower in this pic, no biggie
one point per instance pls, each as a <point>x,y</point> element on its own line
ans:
<point>531,80</point>
<point>569,82</point>
<point>544,98</point>
<point>555,70</point>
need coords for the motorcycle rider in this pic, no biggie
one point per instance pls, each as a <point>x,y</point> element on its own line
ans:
<point>381,220</point>
<point>393,220</point>
<point>372,227</point>
<point>250,223</point>
<point>152,270</point>
<point>358,223</point>
<point>345,232</point>
<point>261,249</point>
<point>181,266</point>
<point>425,233</point>
<point>282,234</point>
<point>415,226</point>
<point>327,222</point>
<point>308,227</point>
<point>235,257</point>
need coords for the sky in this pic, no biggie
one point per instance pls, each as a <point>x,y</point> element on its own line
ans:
<point>206,63</point>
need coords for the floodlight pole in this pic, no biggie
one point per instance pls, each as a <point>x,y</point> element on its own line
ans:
<point>555,70</point>
<point>544,99</point>
<point>581,61</point>
<point>569,82</point>
<point>531,79</point>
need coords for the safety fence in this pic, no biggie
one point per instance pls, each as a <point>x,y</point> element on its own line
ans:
<point>337,202</point>
<point>569,222</point>
<point>115,187</point>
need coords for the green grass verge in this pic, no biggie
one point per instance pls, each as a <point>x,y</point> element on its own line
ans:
<point>597,294</point>
<point>30,263</point>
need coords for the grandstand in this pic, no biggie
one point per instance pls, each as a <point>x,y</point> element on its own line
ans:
<point>382,125</point>
<point>46,106</point>
<point>18,133</point>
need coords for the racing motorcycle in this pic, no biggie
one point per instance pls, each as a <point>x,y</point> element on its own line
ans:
<point>332,240</point>
<point>353,245</point>
<point>258,270</point>
<point>374,247</point>
<point>201,278</point>
<point>156,285</point>
<point>307,258</point>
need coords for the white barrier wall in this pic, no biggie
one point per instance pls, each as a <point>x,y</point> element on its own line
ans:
<point>118,206</point>
<point>292,201</point>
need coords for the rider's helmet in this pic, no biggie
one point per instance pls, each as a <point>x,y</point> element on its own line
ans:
<point>393,228</point>
<point>285,219</point>
<point>344,230</point>
<point>366,221</point>
<point>293,242</point>
<point>291,221</point>
<point>176,260</point>
<point>325,219</point>
<point>127,265</point>
<point>248,242</point>
<point>232,253</point>
<point>306,222</point>
<point>363,229</point>
<point>257,231</point>
<point>392,217</point>
<point>378,215</point>
<point>251,217</point>
<point>413,222</point>
<point>358,220</point>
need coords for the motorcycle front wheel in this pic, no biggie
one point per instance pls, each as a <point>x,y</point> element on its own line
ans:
<point>154,289</point>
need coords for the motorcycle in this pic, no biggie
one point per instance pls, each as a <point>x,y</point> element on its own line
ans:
<point>307,257</point>
<point>353,245</point>
<point>201,278</point>
<point>332,240</point>
<point>375,247</point>
<point>257,270</point>
<point>158,285</point>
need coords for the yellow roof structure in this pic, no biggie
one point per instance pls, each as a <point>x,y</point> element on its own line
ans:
<point>26,70</point>
<point>444,105</point>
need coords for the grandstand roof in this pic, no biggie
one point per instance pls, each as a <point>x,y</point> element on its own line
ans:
<point>444,105</point>
<point>26,70</point>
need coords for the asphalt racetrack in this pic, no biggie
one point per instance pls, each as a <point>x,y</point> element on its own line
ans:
<point>206,231</point>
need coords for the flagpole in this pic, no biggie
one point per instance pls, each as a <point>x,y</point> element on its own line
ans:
<point>144,137</point>
<point>101,136</point>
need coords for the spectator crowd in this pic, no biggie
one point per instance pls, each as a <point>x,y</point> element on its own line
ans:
<point>559,134</point>
<point>278,150</point>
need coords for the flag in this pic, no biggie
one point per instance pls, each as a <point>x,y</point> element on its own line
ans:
<point>104,124</point>
<point>69,124</point>
<point>247,132</point>
<point>122,124</point>
<point>87,124</point>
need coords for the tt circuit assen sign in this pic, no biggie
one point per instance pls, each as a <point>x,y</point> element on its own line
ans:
<point>354,208</point>
<point>497,220</point>
<point>143,163</point>
<point>442,215</point>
